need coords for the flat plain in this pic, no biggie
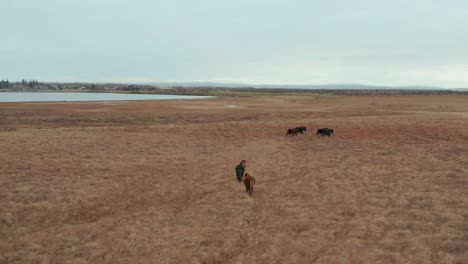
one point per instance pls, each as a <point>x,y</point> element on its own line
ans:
<point>154,181</point>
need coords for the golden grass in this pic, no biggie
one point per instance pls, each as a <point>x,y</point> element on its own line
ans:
<point>154,182</point>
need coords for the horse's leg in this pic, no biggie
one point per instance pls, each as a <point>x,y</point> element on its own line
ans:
<point>239,176</point>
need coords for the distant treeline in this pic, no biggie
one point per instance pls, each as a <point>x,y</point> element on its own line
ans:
<point>22,84</point>
<point>225,91</point>
<point>34,85</point>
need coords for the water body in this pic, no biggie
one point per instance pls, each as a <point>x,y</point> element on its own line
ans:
<point>85,97</point>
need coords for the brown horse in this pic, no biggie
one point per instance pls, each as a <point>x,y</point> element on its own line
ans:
<point>249,183</point>
<point>292,132</point>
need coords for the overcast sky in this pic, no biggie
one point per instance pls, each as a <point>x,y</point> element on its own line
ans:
<point>398,42</point>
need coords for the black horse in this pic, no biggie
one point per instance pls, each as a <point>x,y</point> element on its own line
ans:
<point>325,132</point>
<point>301,129</point>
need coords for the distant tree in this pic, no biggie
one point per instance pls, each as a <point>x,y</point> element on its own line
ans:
<point>31,83</point>
<point>4,84</point>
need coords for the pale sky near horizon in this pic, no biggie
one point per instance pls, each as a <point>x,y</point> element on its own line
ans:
<point>377,42</point>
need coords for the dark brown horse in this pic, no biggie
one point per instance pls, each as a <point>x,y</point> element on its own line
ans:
<point>291,132</point>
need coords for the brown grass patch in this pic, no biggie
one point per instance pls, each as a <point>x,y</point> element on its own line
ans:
<point>154,182</point>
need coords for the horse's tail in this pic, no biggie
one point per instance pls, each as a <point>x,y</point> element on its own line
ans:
<point>252,182</point>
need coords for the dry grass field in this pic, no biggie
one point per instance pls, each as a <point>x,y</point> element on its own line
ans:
<point>154,181</point>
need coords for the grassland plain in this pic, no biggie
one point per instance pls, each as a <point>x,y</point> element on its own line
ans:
<point>154,181</point>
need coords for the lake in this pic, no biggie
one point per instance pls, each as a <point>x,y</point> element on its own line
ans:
<point>80,97</point>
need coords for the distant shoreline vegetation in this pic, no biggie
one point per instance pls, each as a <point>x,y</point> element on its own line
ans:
<point>213,89</point>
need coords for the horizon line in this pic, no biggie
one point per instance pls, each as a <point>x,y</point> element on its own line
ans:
<point>245,85</point>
